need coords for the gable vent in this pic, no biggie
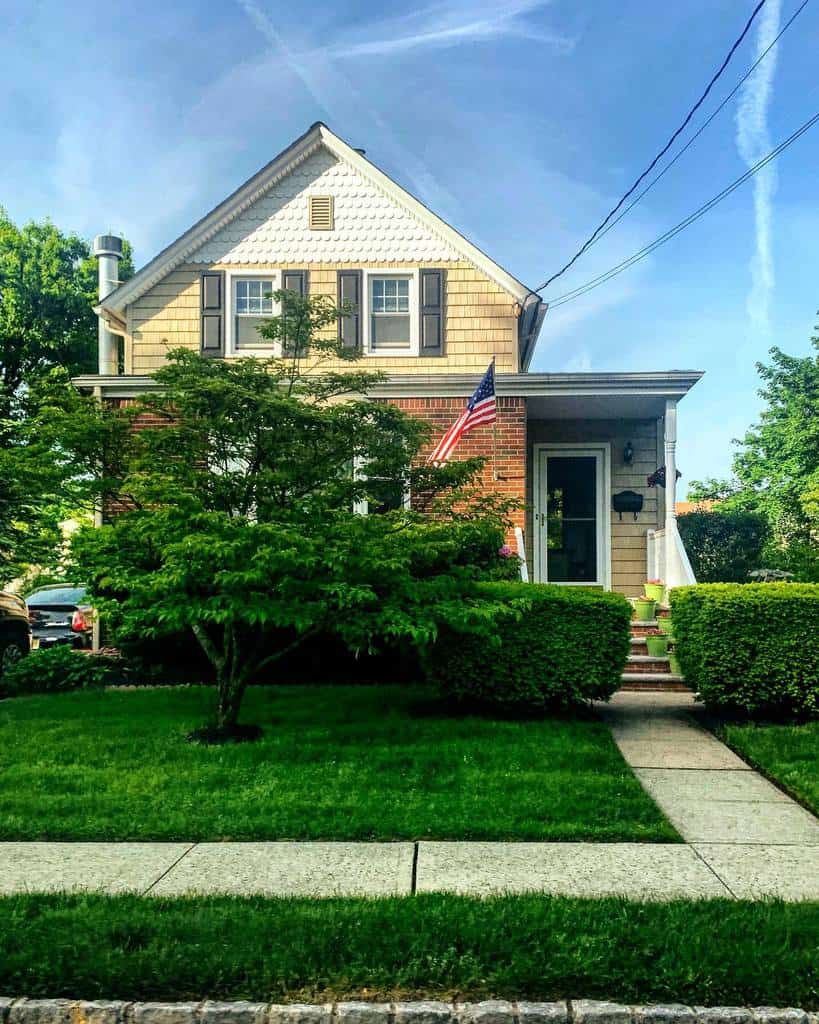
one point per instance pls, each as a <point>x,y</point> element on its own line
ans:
<point>320,211</point>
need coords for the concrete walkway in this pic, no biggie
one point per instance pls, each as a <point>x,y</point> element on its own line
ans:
<point>744,839</point>
<point>754,838</point>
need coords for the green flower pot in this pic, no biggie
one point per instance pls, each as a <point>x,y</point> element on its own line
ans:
<point>657,646</point>
<point>674,664</point>
<point>654,592</point>
<point>664,624</point>
<point>644,609</point>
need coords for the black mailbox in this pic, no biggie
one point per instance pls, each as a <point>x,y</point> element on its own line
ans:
<point>627,501</point>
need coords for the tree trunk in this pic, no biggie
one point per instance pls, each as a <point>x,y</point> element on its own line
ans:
<point>231,692</point>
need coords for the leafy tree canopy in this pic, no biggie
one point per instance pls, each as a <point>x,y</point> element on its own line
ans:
<point>48,331</point>
<point>48,286</point>
<point>237,498</point>
<point>776,469</point>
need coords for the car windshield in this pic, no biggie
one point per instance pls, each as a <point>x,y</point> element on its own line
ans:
<point>57,595</point>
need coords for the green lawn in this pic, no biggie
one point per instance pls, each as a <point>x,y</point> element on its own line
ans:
<point>337,762</point>
<point>788,754</point>
<point>528,947</point>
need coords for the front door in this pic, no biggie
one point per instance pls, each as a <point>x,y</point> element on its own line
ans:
<point>571,515</point>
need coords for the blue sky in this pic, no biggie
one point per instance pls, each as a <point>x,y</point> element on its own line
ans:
<point>520,122</point>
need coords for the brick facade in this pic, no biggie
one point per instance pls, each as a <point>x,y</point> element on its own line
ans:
<point>503,445</point>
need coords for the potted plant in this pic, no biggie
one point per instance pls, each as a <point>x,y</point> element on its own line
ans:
<point>664,624</point>
<point>674,663</point>
<point>644,609</point>
<point>654,590</point>
<point>657,644</point>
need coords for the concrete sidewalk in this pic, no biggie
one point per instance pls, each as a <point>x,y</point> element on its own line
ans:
<point>753,837</point>
<point>744,839</point>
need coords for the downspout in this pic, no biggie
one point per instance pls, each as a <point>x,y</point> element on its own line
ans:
<point>108,250</point>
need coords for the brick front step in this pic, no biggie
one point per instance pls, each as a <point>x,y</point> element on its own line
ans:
<point>652,680</point>
<point>672,684</point>
<point>645,663</point>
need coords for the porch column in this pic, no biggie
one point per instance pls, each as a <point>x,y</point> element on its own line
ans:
<point>670,438</point>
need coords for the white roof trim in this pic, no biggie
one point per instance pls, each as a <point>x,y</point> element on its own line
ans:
<point>319,134</point>
<point>662,384</point>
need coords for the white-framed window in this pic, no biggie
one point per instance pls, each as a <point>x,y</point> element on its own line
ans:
<point>387,495</point>
<point>249,304</point>
<point>391,321</point>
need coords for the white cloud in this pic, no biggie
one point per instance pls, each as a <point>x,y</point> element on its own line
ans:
<point>335,93</point>
<point>753,142</point>
<point>451,24</point>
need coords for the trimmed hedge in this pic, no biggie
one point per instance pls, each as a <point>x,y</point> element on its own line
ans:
<point>550,647</point>
<point>56,669</point>
<point>751,647</point>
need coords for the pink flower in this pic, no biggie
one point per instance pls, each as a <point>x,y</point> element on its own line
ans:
<point>505,551</point>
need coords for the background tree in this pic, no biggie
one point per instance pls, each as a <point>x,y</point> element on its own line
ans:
<point>48,286</point>
<point>724,545</point>
<point>239,519</point>
<point>776,470</point>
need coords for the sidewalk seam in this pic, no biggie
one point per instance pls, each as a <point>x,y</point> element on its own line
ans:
<point>169,869</point>
<point>414,876</point>
<point>713,870</point>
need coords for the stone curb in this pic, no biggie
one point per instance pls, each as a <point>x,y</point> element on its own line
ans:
<point>493,1011</point>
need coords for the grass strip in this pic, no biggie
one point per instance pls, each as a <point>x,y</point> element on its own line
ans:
<point>527,947</point>
<point>335,762</point>
<point>787,754</point>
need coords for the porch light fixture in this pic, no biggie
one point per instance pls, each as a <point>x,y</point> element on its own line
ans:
<point>628,453</point>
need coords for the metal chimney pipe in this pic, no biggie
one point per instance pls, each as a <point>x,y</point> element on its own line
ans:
<point>108,250</point>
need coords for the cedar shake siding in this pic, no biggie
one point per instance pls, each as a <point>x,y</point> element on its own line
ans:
<point>479,318</point>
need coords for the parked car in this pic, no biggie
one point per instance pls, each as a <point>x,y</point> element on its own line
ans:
<point>15,631</point>
<point>60,614</point>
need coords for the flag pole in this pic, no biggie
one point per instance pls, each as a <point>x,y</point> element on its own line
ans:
<point>495,426</point>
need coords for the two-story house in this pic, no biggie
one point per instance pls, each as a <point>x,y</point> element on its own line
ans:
<point>431,310</point>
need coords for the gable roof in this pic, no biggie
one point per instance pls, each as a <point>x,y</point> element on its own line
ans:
<point>316,136</point>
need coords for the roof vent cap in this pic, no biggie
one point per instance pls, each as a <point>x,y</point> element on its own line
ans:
<point>107,245</point>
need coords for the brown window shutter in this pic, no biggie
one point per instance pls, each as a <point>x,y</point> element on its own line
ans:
<point>212,289</point>
<point>349,294</point>
<point>293,281</point>
<point>432,313</point>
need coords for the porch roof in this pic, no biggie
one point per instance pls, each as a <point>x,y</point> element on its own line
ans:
<point>561,395</point>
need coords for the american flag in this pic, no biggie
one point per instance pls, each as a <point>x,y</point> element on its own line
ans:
<point>480,409</point>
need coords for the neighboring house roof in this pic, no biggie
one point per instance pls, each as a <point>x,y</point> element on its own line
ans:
<point>317,136</point>
<point>684,507</point>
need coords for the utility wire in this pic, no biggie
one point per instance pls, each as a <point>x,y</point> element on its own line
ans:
<point>662,152</point>
<point>642,253</point>
<point>705,124</point>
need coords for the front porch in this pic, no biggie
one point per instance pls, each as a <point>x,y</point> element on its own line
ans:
<point>592,444</point>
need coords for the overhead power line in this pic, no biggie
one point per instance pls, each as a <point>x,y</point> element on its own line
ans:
<point>595,282</point>
<point>662,152</point>
<point>705,124</point>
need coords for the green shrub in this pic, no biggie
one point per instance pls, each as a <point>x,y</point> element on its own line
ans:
<point>750,647</point>
<point>552,647</point>
<point>55,670</point>
<point>723,545</point>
